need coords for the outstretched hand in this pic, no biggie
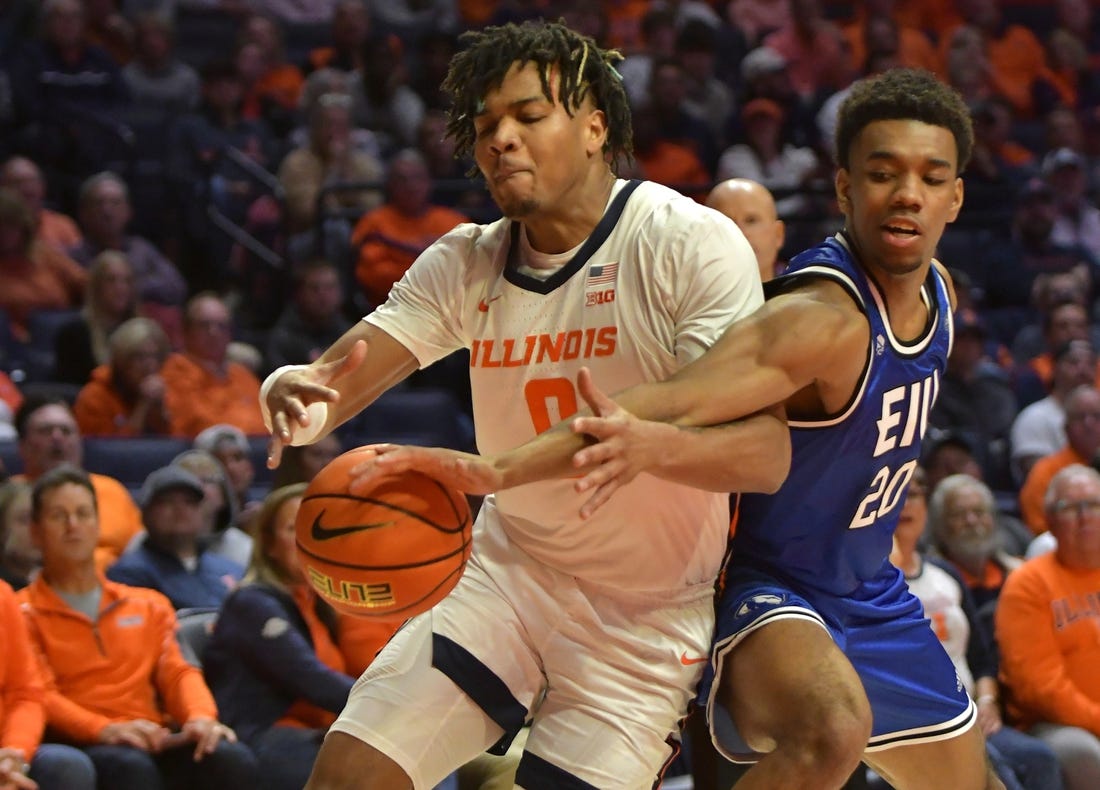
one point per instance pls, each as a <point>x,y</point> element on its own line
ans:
<point>292,394</point>
<point>625,445</point>
<point>467,472</point>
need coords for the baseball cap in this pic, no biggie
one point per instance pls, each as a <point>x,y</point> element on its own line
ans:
<point>765,107</point>
<point>169,478</point>
<point>761,61</point>
<point>1062,157</point>
<point>209,438</point>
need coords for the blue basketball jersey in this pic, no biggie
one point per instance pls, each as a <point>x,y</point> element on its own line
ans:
<point>830,528</point>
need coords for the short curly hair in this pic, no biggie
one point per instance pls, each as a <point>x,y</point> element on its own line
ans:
<point>585,68</point>
<point>904,94</point>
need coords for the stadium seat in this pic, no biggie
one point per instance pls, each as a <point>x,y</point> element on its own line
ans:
<point>196,624</point>
<point>431,415</point>
<point>129,460</point>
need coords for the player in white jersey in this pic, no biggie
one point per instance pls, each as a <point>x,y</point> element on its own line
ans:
<point>593,631</point>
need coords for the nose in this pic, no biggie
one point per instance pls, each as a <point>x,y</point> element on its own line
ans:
<point>909,192</point>
<point>505,137</point>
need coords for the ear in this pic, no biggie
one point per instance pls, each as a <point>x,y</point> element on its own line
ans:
<point>595,132</point>
<point>956,201</point>
<point>780,233</point>
<point>843,186</point>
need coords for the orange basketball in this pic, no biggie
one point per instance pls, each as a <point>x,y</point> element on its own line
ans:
<point>388,553</point>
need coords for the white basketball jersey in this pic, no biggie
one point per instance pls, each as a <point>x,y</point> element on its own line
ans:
<point>655,285</point>
<point>941,598</point>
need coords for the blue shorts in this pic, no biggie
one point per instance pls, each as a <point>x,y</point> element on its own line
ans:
<point>915,693</point>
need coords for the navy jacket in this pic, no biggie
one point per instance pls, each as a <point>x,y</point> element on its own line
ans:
<point>260,660</point>
<point>206,586</point>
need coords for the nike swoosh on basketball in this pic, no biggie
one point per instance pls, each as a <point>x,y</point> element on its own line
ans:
<point>483,305</point>
<point>318,532</point>
<point>687,661</point>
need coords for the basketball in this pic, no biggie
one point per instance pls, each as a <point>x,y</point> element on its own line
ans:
<point>388,553</point>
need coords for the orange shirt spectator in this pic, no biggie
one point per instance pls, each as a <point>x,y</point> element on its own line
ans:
<point>22,717</point>
<point>915,50</point>
<point>815,51</point>
<point>392,236</point>
<point>198,398</point>
<point>58,230</point>
<point>24,176</point>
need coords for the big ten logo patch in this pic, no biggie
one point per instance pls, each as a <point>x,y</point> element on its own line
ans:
<point>593,298</point>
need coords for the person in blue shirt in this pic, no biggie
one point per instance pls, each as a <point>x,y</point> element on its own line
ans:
<point>171,557</point>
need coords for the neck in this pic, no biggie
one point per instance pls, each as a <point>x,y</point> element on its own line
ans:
<point>559,231</point>
<point>72,579</point>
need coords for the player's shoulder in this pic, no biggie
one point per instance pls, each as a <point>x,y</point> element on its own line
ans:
<point>660,206</point>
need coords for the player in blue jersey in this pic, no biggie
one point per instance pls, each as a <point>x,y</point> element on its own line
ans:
<point>821,657</point>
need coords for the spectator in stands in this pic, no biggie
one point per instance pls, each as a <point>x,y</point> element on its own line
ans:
<point>383,100</point>
<point>438,150</point>
<point>207,388</point>
<point>914,48</point>
<point>327,159</point>
<point>764,75</point>
<point>1046,625</point>
<point>390,237</point>
<point>171,557</point>
<point>951,453</point>
<point>1039,429</point>
<point>1000,162</point>
<point>105,213</point>
<point>1062,321</point>
<point>33,275</point>
<point>1019,760</point>
<point>223,532</point>
<point>25,762</point>
<point>1078,220</point>
<point>751,206</point>
<point>272,84</point>
<point>110,29</point>
<point>411,20</point>
<point>814,49</point>
<point>1082,426</point>
<point>20,559</point>
<point>767,157</point>
<point>64,91</point>
<point>962,529</point>
<point>109,299</point>
<point>230,446</point>
<point>1034,340</point>
<point>48,438</point>
<point>115,679</point>
<point>658,41</point>
<point>758,18</point>
<point>156,78</point>
<point>302,463</point>
<point>1073,50</point>
<point>1008,265</point>
<point>1018,67</point>
<point>673,163</point>
<point>127,396</point>
<point>707,98</point>
<point>976,397</point>
<point>51,227</point>
<point>214,159</point>
<point>667,99</point>
<point>313,319</point>
<point>294,12</point>
<point>273,661</point>
<point>350,29</point>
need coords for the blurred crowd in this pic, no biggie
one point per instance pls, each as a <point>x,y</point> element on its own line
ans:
<point>195,192</point>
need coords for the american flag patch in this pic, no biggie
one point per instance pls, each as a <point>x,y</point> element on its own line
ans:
<point>602,274</point>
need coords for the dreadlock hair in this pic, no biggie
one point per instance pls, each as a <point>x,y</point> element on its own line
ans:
<point>585,69</point>
<point>904,94</point>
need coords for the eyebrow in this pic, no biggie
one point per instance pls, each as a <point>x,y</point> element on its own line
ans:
<point>512,104</point>
<point>889,156</point>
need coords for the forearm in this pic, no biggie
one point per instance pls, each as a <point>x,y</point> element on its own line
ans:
<point>750,456</point>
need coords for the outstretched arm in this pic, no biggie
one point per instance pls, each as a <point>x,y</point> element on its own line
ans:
<point>302,403</point>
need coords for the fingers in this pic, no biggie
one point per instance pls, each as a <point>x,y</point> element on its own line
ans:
<point>274,452</point>
<point>597,401</point>
<point>339,368</point>
<point>597,500</point>
<point>600,453</point>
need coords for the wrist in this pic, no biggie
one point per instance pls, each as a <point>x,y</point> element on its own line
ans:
<point>987,699</point>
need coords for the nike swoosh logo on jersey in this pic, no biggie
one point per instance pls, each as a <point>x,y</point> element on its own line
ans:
<point>687,661</point>
<point>483,305</point>
<point>318,532</point>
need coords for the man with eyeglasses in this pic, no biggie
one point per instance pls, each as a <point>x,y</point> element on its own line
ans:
<point>1048,630</point>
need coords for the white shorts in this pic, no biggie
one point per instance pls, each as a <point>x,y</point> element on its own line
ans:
<point>605,678</point>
